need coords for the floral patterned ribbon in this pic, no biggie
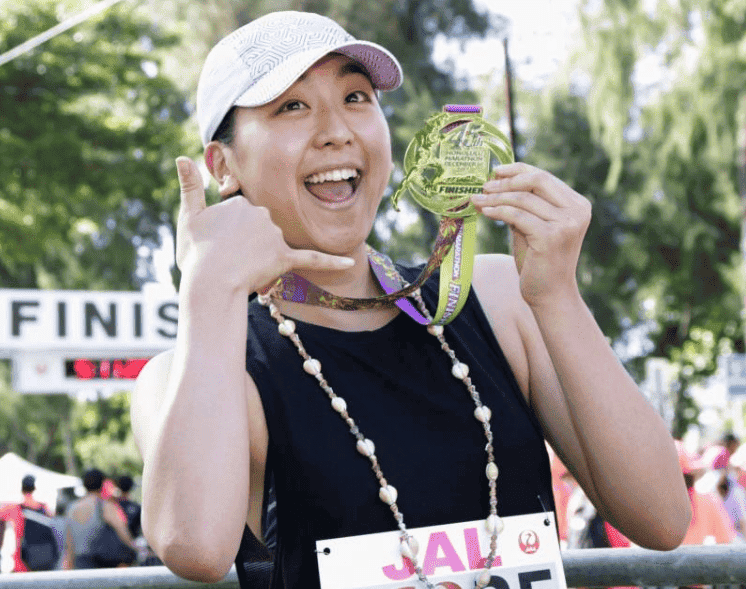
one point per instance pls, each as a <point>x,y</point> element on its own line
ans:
<point>295,288</point>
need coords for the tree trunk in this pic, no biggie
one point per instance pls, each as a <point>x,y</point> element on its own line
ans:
<point>67,444</point>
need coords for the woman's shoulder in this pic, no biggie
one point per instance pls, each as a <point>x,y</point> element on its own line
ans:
<point>495,281</point>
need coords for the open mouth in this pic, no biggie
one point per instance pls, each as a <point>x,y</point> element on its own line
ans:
<point>334,186</point>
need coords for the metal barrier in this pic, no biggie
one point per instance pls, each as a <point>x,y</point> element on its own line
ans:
<point>604,567</point>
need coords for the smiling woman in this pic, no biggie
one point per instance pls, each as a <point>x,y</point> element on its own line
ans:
<point>289,155</point>
<point>375,434</point>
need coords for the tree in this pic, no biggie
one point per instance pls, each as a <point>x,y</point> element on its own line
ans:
<point>89,128</point>
<point>103,435</point>
<point>67,434</point>
<point>673,151</point>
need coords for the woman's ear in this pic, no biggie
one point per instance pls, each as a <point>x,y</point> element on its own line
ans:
<point>217,164</point>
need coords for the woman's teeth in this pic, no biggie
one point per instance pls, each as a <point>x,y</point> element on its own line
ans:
<point>332,176</point>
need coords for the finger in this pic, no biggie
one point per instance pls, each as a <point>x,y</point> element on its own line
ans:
<point>526,201</point>
<point>520,220</point>
<point>529,179</point>
<point>192,190</point>
<point>313,260</point>
<point>508,170</point>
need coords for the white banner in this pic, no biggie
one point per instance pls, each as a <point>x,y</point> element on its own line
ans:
<point>84,321</point>
<point>528,557</point>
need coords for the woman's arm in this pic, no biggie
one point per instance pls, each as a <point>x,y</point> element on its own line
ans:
<point>191,424</point>
<point>68,554</point>
<point>114,516</point>
<point>593,414</point>
<point>195,411</point>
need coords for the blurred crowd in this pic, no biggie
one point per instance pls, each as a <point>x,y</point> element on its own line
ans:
<point>715,476</point>
<point>100,529</point>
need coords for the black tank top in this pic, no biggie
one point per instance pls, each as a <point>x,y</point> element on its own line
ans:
<point>399,389</point>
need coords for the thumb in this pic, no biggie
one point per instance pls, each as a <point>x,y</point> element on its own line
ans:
<point>192,190</point>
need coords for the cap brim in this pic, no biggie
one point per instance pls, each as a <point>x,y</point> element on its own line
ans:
<point>383,68</point>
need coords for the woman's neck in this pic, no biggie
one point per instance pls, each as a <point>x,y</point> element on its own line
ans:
<point>357,282</point>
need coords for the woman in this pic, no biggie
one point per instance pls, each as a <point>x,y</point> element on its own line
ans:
<point>85,519</point>
<point>293,131</point>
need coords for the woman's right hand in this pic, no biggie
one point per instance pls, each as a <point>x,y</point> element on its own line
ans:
<point>234,243</point>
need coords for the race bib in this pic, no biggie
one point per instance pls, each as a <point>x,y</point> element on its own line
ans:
<point>528,557</point>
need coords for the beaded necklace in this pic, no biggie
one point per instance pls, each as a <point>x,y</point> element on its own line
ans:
<point>408,546</point>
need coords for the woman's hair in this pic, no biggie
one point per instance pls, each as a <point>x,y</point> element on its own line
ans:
<point>226,131</point>
<point>93,479</point>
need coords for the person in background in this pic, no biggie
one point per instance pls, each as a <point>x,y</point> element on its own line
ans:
<point>717,456</point>
<point>28,486</point>
<point>734,501</point>
<point>738,464</point>
<point>720,478</point>
<point>59,526</point>
<point>108,489</point>
<point>84,523</point>
<point>131,508</point>
<point>14,514</point>
<point>710,523</point>
<point>563,486</point>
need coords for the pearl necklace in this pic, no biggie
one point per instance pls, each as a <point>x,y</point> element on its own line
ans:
<point>408,545</point>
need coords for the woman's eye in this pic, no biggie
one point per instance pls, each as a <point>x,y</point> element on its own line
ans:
<point>358,96</point>
<point>292,105</point>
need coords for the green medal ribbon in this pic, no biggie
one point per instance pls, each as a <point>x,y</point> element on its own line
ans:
<point>446,163</point>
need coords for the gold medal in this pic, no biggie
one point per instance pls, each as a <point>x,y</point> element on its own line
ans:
<point>450,159</point>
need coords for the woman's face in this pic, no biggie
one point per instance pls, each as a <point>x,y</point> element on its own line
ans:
<point>318,157</point>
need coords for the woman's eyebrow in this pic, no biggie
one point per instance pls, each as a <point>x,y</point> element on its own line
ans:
<point>346,69</point>
<point>352,67</point>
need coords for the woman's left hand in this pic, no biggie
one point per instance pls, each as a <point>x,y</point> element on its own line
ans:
<point>548,221</point>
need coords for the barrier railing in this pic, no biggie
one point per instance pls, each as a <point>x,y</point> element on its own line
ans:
<point>604,567</point>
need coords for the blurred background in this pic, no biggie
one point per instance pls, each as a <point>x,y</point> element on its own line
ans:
<point>640,105</point>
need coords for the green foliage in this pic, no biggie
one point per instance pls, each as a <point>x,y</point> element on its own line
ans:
<point>563,143</point>
<point>103,435</point>
<point>89,129</point>
<point>88,133</point>
<point>35,426</point>
<point>673,177</point>
<point>68,435</point>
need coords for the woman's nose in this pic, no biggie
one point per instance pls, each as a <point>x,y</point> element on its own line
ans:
<point>333,128</point>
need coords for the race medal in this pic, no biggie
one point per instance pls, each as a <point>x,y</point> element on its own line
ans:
<point>447,163</point>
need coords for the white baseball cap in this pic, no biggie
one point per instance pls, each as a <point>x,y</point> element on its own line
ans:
<point>259,61</point>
